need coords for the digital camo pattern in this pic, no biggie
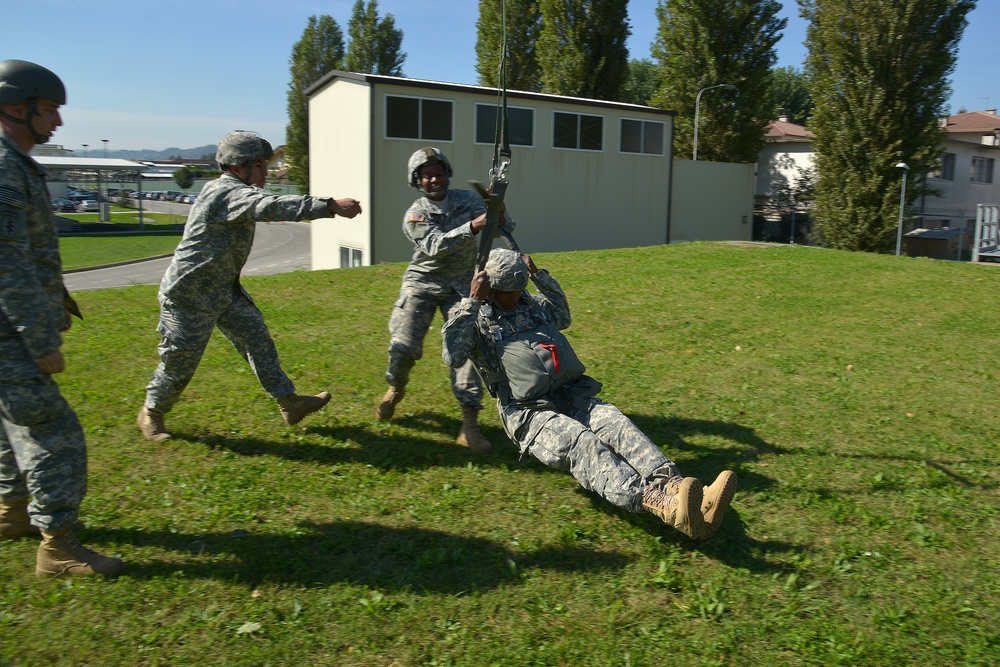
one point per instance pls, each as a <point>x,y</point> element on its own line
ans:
<point>591,439</point>
<point>411,318</point>
<point>42,451</point>
<point>438,276</point>
<point>444,247</point>
<point>31,286</point>
<point>42,448</point>
<point>185,335</point>
<point>218,236</point>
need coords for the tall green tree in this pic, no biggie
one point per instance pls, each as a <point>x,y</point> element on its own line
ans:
<point>375,45</point>
<point>581,47</point>
<point>878,72</point>
<point>642,82</point>
<point>702,43</point>
<point>789,89</point>
<point>184,177</point>
<point>319,50</point>
<point>524,23</point>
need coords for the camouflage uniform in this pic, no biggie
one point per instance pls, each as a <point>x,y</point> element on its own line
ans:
<point>201,290</point>
<point>444,257</point>
<point>42,448</point>
<point>568,429</point>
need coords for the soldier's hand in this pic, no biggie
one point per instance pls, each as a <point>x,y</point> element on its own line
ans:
<point>68,324</point>
<point>532,269</point>
<point>52,363</point>
<point>478,224</point>
<point>479,289</point>
<point>346,207</point>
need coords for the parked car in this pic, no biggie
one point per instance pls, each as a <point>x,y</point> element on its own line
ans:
<point>63,205</point>
<point>88,205</point>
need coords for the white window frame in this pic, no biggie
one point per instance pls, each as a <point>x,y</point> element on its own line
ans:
<point>642,138</point>
<point>420,111</point>
<point>355,257</point>
<point>579,115</point>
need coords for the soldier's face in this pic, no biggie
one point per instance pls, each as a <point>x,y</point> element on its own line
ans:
<point>434,180</point>
<point>255,173</point>
<point>506,300</point>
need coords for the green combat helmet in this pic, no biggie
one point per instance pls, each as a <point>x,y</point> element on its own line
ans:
<point>21,80</point>
<point>428,155</point>
<point>507,271</point>
<point>240,147</point>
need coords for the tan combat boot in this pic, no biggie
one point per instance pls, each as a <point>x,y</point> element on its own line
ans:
<point>716,499</point>
<point>470,435</point>
<point>61,553</point>
<point>14,523</point>
<point>387,407</point>
<point>294,407</point>
<point>151,425</point>
<point>678,505</point>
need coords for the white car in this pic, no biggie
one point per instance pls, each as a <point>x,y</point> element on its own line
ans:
<point>88,205</point>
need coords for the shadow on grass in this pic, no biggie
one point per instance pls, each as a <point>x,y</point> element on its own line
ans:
<point>393,559</point>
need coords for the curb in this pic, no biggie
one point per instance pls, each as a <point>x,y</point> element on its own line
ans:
<point>111,266</point>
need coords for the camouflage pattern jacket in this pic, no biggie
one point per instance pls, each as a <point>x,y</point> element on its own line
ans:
<point>444,247</point>
<point>31,286</point>
<point>205,270</point>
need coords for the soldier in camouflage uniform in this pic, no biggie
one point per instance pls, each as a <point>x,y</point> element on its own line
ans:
<point>548,405</point>
<point>201,290</point>
<point>43,455</point>
<point>442,225</point>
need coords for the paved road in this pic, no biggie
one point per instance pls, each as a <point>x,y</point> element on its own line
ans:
<point>278,247</point>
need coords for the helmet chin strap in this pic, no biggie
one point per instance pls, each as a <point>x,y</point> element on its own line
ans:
<point>32,112</point>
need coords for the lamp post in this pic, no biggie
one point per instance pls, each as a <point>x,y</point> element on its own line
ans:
<point>105,146</point>
<point>902,205</point>
<point>84,149</point>
<point>697,106</point>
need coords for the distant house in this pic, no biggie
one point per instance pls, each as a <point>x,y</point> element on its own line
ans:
<point>584,174</point>
<point>786,154</point>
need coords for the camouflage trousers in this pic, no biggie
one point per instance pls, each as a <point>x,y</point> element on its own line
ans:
<point>185,336</point>
<point>408,325</point>
<point>597,444</point>
<point>43,454</point>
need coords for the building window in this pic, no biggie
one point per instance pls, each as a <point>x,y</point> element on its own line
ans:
<point>349,257</point>
<point>642,136</point>
<point>982,170</point>
<point>945,168</point>
<point>578,131</point>
<point>520,125</point>
<point>418,118</point>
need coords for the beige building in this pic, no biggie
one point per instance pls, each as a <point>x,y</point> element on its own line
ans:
<point>584,174</point>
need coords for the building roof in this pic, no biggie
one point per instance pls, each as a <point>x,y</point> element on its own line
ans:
<point>985,122</point>
<point>781,130</point>
<point>87,163</point>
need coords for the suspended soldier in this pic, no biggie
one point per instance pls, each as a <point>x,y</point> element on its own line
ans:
<point>43,454</point>
<point>201,290</point>
<point>549,406</point>
<point>442,225</point>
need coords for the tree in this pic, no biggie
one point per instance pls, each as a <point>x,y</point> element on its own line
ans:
<point>878,74</point>
<point>642,82</point>
<point>581,47</point>
<point>789,90</point>
<point>524,23</point>
<point>319,50</point>
<point>184,177</point>
<point>375,45</point>
<point>702,43</point>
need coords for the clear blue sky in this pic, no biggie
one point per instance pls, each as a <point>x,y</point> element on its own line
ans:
<point>182,73</point>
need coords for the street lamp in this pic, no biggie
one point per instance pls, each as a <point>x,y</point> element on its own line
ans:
<point>105,146</point>
<point>84,149</point>
<point>902,204</point>
<point>697,105</point>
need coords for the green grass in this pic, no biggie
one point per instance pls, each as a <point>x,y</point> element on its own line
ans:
<point>854,394</point>
<point>79,252</point>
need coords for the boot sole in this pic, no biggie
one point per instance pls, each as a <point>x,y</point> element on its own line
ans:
<point>713,517</point>
<point>296,420</point>
<point>689,519</point>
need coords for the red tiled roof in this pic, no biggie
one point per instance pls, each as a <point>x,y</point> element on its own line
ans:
<point>782,130</point>
<point>973,121</point>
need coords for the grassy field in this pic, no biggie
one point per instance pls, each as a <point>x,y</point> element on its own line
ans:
<point>854,394</point>
<point>79,252</point>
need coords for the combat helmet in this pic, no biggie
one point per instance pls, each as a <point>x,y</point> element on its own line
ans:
<point>240,147</point>
<point>427,155</point>
<point>507,270</point>
<point>21,80</point>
